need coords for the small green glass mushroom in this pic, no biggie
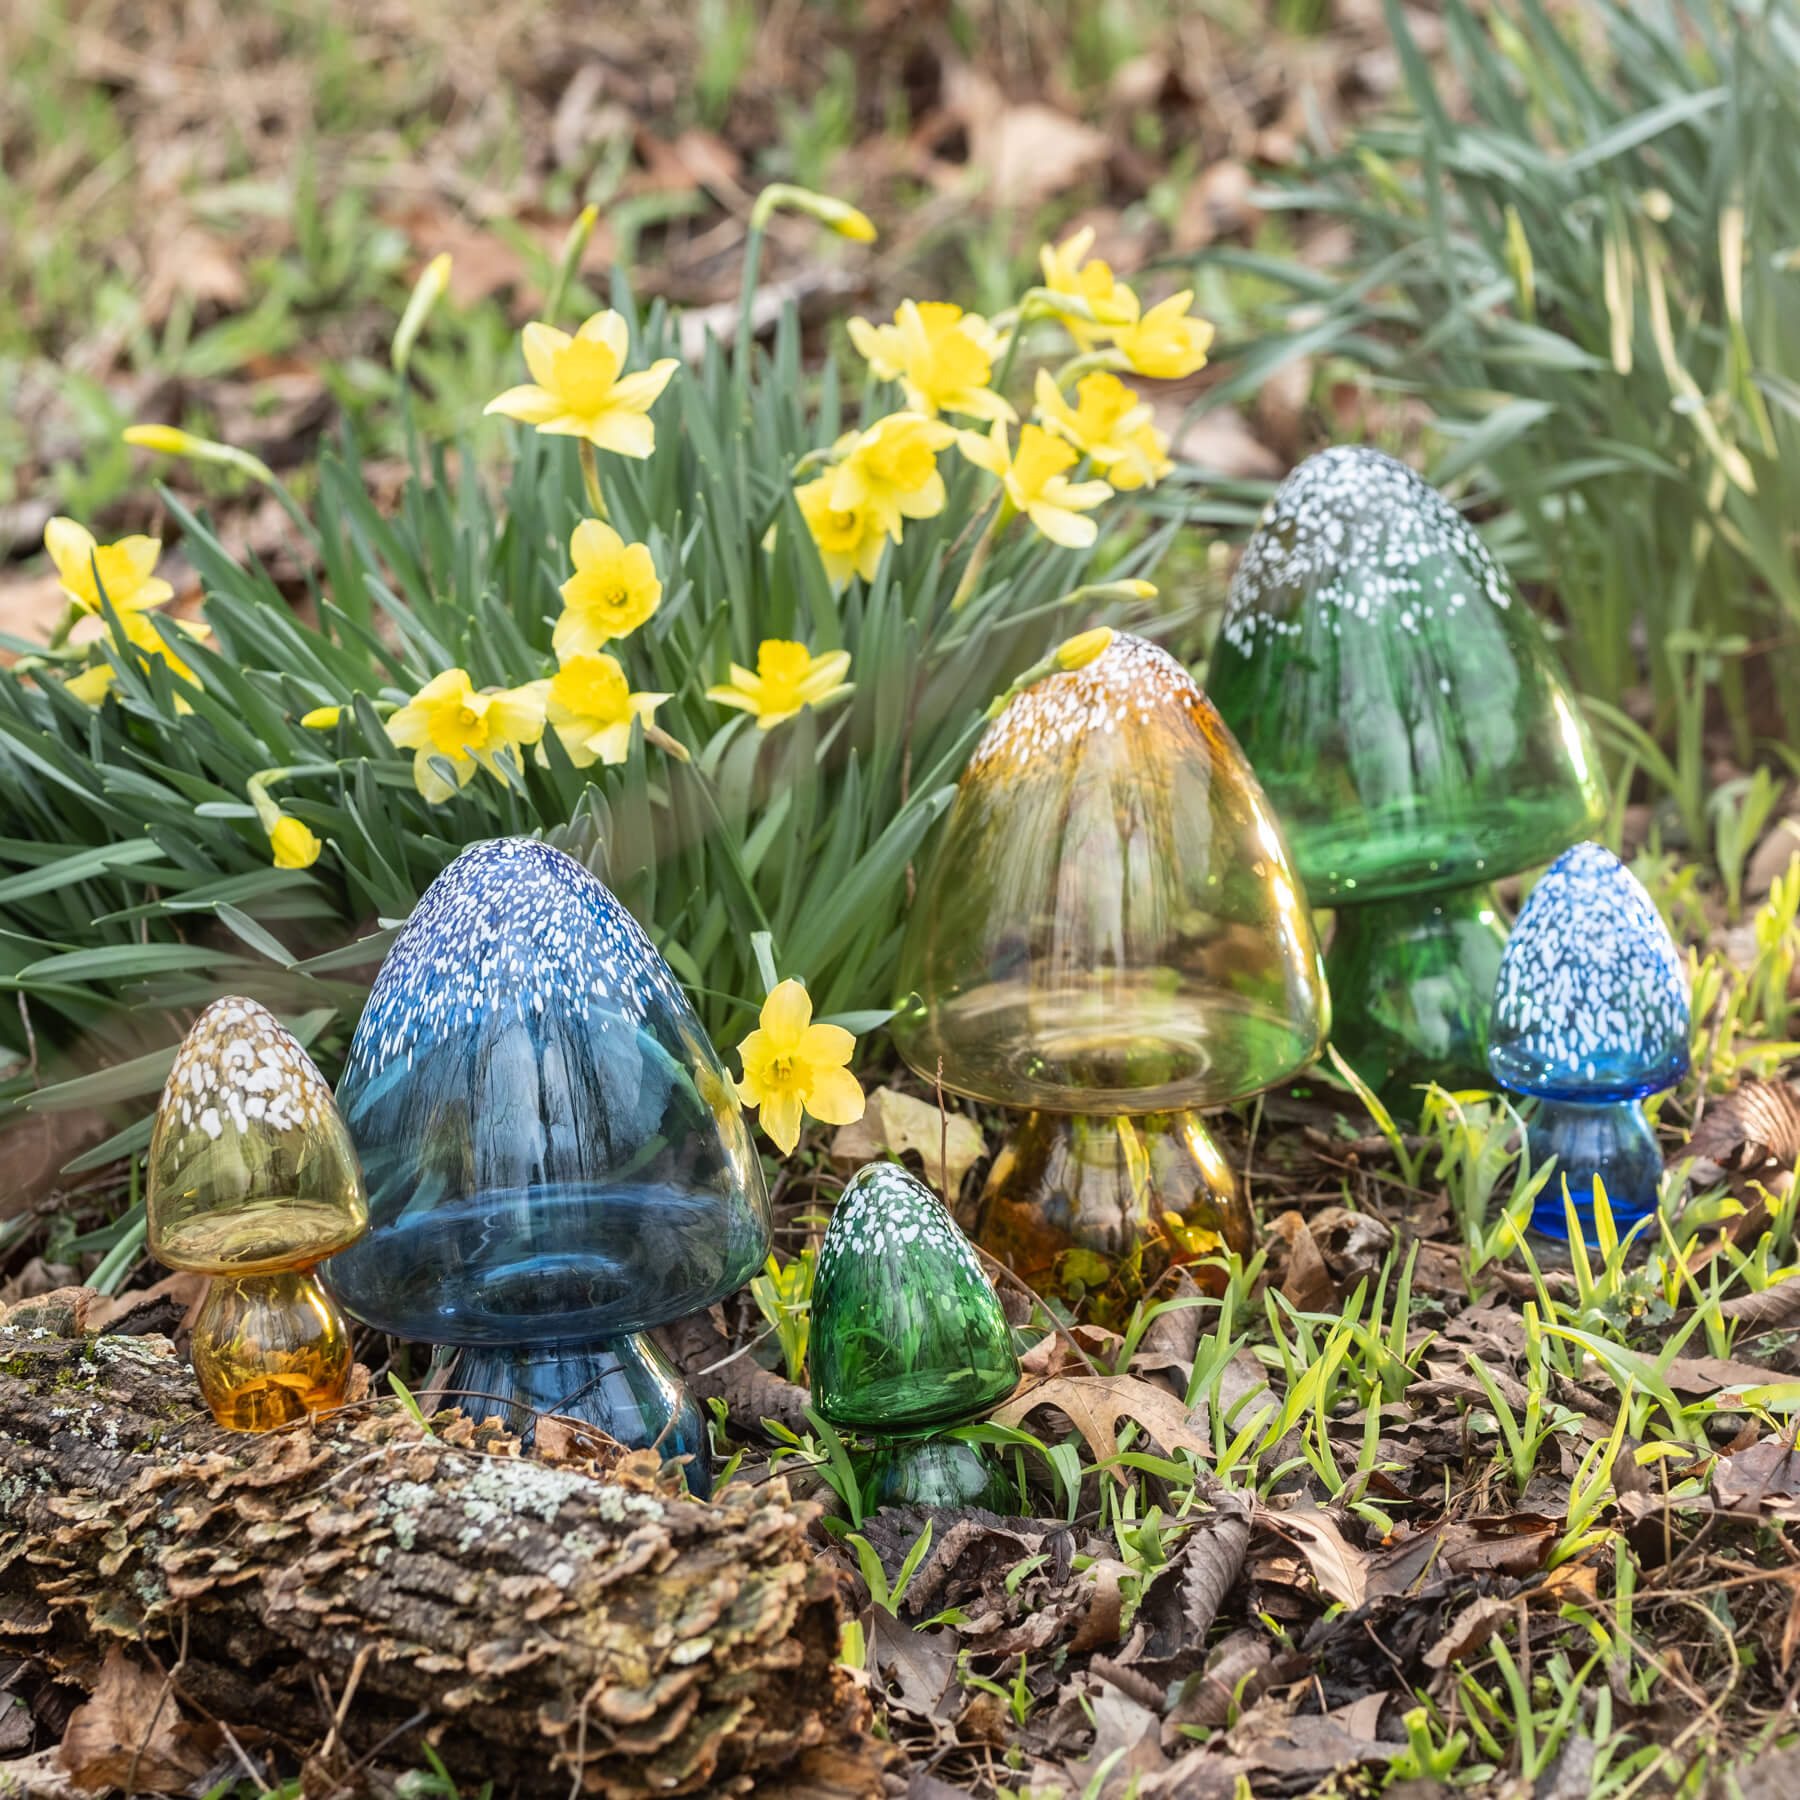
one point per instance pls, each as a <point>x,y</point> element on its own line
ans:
<point>1406,718</point>
<point>907,1337</point>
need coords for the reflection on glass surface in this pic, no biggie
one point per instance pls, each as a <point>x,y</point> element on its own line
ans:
<point>552,1146</point>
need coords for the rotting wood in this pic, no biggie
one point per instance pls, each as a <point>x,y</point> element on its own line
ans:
<point>545,1620</point>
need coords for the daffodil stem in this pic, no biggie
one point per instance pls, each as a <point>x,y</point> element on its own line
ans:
<point>1086,364</point>
<point>654,734</point>
<point>590,477</point>
<point>965,589</point>
<point>67,623</point>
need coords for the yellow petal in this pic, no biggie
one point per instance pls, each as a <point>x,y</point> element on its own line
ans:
<point>834,1097</point>
<point>780,1115</point>
<point>636,393</point>
<point>91,686</point>
<point>785,1015</point>
<point>823,1045</point>
<point>623,433</point>
<point>71,548</point>
<point>431,785</point>
<point>142,553</point>
<point>541,343</point>
<point>529,405</point>
<point>1069,529</point>
<point>610,329</point>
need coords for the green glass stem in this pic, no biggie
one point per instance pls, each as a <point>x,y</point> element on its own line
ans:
<point>1097,1209</point>
<point>1412,985</point>
<point>933,1472</point>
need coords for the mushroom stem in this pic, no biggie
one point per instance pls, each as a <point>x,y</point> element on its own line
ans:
<point>624,1387</point>
<point>270,1349</point>
<point>1412,984</point>
<point>1606,1141</point>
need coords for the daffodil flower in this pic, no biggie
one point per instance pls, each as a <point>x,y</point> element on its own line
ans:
<point>293,845</point>
<point>1166,342</point>
<point>942,356</point>
<point>1111,425</point>
<point>1034,482</point>
<point>92,686</point>
<point>1067,270</point>
<point>849,538</point>
<point>127,569</point>
<point>449,719</point>
<point>590,707</point>
<point>891,472</point>
<point>577,389</point>
<point>613,591</point>
<point>793,1066</point>
<point>787,678</point>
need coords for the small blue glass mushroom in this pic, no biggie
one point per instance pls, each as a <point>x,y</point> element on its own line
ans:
<point>556,1158</point>
<point>1590,1015</point>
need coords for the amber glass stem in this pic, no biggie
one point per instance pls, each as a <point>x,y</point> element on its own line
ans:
<point>270,1349</point>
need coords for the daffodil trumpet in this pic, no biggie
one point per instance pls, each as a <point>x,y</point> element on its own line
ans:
<point>292,844</point>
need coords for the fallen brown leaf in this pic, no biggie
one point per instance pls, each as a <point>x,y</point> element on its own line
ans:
<point>1095,1405</point>
<point>130,1734</point>
<point>893,1123</point>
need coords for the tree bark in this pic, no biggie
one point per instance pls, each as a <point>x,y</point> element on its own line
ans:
<point>558,1630</point>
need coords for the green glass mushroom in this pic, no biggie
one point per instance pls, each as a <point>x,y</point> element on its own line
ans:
<point>1406,718</point>
<point>1110,936</point>
<point>908,1338</point>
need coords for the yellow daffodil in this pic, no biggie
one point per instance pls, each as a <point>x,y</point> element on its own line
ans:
<point>1111,425</point>
<point>127,569</point>
<point>891,472</point>
<point>787,678</point>
<point>1067,270</point>
<point>1035,483</point>
<point>321,718</point>
<point>1165,343</point>
<point>613,591</point>
<point>449,718</point>
<point>849,539</point>
<point>294,847</point>
<point>792,1065</point>
<point>1083,648</point>
<point>93,685</point>
<point>590,707</point>
<point>942,356</point>
<point>577,389</point>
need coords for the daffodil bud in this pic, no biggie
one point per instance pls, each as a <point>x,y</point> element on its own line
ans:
<point>167,440</point>
<point>837,215</point>
<point>293,845</point>
<point>1077,652</point>
<point>321,718</point>
<point>428,290</point>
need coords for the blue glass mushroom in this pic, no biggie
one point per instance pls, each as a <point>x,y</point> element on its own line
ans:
<point>555,1155</point>
<point>1590,1015</point>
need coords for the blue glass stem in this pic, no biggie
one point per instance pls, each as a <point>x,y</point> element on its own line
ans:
<point>1610,1139</point>
<point>622,1386</point>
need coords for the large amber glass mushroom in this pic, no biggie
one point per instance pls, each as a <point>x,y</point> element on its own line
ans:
<point>1403,713</point>
<point>1110,936</point>
<point>556,1157</point>
<point>252,1180</point>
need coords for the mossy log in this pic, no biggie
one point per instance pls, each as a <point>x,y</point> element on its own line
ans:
<point>552,1629</point>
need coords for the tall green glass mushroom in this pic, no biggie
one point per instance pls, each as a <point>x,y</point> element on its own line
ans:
<point>1406,718</point>
<point>1110,936</point>
<point>908,1338</point>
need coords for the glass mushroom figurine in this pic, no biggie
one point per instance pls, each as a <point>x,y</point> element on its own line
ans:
<point>252,1180</point>
<point>1590,1015</point>
<point>907,1336</point>
<point>1411,727</point>
<point>556,1157</point>
<point>1109,936</point>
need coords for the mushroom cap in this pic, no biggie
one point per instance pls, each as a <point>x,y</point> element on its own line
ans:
<point>1393,693</point>
<point>1111,923</point>
<point>554,1150</point>
<point>250,1168</point>
<point>906,1327</point>
<point>1592,999</point>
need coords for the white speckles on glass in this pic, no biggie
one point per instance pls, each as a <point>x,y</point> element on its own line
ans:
<point>1592,999</point>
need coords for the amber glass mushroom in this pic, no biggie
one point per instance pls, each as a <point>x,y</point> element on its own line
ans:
<point>1110,936</point>
<point>1411,726</point>
<point>253,1181</point>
